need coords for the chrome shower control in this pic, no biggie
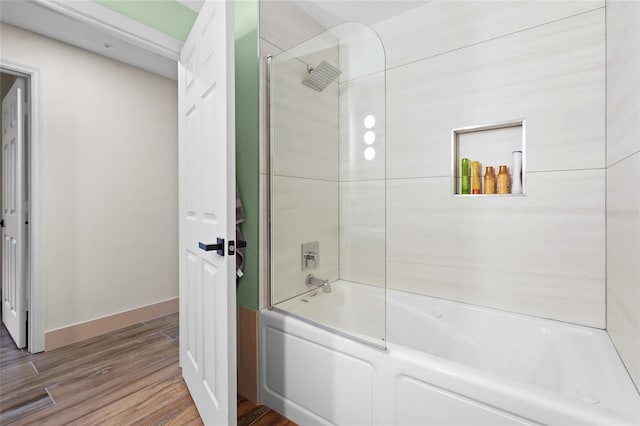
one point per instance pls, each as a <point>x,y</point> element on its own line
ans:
<point>310,255</point>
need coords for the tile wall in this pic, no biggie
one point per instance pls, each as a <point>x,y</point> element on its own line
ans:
<point>542,254</point>
<point>305,164</point>
<point>623,181</point>
<point>362,163</point>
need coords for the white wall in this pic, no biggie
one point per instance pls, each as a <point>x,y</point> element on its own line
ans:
<point>109,171</point>
<point>623,181</point>
<point>450,66</point>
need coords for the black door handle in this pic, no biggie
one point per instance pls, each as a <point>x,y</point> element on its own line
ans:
<point>218,247</point>
<point>209,247</point>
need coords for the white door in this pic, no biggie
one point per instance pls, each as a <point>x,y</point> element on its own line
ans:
<point>207,212</point>
<point>14,303</point>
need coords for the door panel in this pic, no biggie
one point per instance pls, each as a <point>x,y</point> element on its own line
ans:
<point>14,303</point>
<point>207,212</point>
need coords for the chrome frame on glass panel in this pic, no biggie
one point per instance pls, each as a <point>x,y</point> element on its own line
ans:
<point>268,151</point>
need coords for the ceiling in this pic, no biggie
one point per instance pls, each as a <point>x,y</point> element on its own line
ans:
<point>170,17</point>
<point>149,34</point>
<point>128,34</point>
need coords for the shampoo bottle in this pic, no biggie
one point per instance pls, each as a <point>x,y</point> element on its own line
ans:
<point>476,186</point>
<point>490,181</point>
<point>503,180</point>
<point>465,185</point>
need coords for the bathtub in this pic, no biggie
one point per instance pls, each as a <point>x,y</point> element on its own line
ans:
<point>445,363</point>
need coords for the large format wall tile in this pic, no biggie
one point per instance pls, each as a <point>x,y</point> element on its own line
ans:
<point>305,123</point>
<point>362,232</point>
<point>552,75</point>
<point>305,210</point>
<point>284,24</point>
<point>623,181</point>
<point>358,99</point>
<point>623,261</point>
<point>443,26</point>
<point>321,47</point>
<point>542,254</point>
<point>361,50</point>
<point>623,79</point>
<point>305,144</point>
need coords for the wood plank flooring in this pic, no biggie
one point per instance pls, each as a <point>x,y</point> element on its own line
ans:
<point>127,377</point>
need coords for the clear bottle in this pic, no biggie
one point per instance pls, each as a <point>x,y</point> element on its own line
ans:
<point>516,169</point>
<point>503,180</point>
<point>490,181</point>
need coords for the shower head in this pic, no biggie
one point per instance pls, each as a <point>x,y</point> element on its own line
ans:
<point>320,76</point>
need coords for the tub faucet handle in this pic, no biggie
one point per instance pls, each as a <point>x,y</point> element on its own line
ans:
<point>308,256</point>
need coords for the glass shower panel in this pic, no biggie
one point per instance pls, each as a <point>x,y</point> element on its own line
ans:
<point>327,120</point>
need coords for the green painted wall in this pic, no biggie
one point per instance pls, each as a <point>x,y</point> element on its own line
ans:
<point>247,145</point>
<point>167,16</point>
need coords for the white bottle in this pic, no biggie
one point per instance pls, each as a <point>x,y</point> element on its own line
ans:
<point>516,171</point>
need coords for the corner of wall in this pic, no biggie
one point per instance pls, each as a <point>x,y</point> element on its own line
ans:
<point>623,181</point>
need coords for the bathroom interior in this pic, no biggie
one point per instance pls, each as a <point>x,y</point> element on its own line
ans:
<point>391,294</point>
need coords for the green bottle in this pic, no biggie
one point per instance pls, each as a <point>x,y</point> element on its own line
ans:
<point>465,173</point>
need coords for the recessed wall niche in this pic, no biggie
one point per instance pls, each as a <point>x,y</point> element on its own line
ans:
<point>490,145</point>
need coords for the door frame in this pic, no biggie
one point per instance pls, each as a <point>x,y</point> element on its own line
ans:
<point>34,276</point>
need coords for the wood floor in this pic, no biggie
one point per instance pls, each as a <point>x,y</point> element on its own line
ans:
<point>127,377</point>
